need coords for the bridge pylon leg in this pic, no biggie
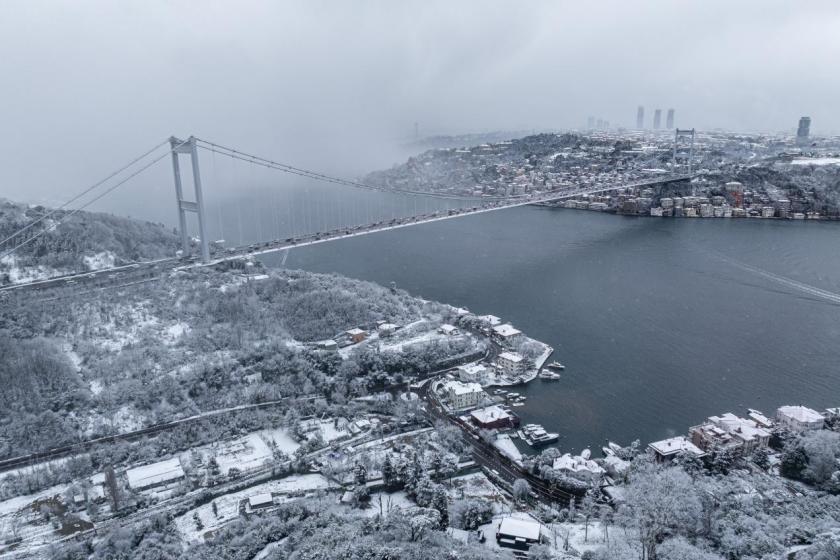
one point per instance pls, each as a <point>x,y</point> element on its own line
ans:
<point>190,148</point>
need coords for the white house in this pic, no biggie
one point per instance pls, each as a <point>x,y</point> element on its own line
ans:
<point>259,501</point>
<point>472,373</point>
<point>464,395</point>
<point>448,330</point>
<point>799,418</point>
<point>667,449</point>
<point>578,467</point>
<point>511,363</point>
<point>518,533</point>
<point>387,329</point>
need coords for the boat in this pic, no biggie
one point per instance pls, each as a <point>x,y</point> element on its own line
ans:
<point>549,375</point>
<point>535,434</point>
<point>556,365</point>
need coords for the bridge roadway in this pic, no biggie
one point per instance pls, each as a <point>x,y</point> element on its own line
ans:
<point>155,268</point>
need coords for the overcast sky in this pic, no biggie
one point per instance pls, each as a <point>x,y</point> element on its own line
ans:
<point>336,85</point>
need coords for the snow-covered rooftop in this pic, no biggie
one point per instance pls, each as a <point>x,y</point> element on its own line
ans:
<point>492,319</point>
<point>506,330</point>
<point>675,445</point>
<point>799,413</point>
<point>490,414</point>
<point>459,388</point>
<point>745,429</point>
<point>576,464</point>
<point>522,528</point>
<point>259,500</point>
<point>156,473</point>
<point>511,357</point>
<point>473,368</point>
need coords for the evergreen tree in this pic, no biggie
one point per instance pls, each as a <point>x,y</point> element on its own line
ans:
<point>360,474</point>
<point>388,472</point>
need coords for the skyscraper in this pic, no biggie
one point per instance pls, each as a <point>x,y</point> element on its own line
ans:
<point>657,119</point>
<point>669,120</point>
<point>640,117</point>
<point>803,131</point>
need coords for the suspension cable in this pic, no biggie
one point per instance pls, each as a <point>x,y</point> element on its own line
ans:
<point>81,194</point>
<point>97,197</point>
<point>236,154</point>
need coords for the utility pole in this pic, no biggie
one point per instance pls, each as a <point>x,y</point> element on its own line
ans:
<point>189,147</point>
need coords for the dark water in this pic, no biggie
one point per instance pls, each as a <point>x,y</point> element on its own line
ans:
<point>656,329</point>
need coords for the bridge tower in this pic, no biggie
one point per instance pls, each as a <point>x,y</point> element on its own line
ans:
<point>190,148</point>
<point>683,149</point>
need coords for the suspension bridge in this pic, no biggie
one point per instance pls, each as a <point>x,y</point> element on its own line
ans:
<point>304,225</point>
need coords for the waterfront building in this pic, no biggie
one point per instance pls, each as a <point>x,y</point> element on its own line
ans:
<point>464,395</point>
<point>728,432</point>
<point>507,333</point>
<point>667,449</point>
<point>511,363</point>
<point>799,418</point>
<point>494,418</point>
<point>768,212</point>
<point>578,466</point>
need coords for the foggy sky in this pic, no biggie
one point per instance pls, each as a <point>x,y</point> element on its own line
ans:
<point>338,85</point>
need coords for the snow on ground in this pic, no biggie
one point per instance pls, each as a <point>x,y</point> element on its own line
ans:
<point>490,529</point>
<point>579,539</point>
<point>504,444</point>
<point>390,502</point>
<point>126,419</point>
<point>269,548</point>
<point>174,332</point>
<point>17,274</point>
<point>98,261</point>
<point>12,505</point>
<point>475,485</point>
<point>227,506</point>
<point>817,161</point>
<point>96,386</point>
<point>75,359</point>
<point>280,438</point>
<point>249,452</point>
<point>329,432</point>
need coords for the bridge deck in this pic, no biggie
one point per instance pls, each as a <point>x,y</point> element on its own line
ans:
<point>263,248</point>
